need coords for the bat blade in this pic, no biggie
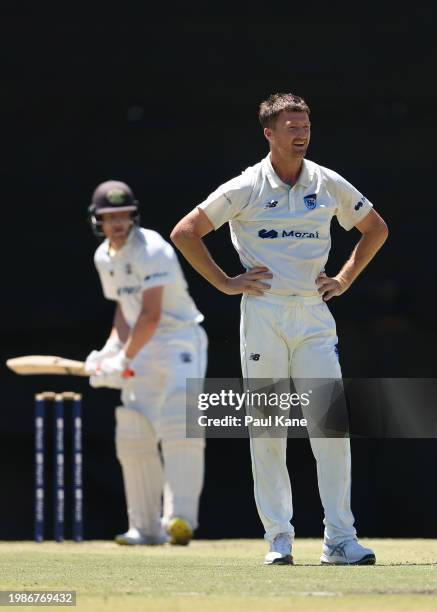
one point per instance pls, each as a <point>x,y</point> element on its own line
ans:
<point>46,364</point>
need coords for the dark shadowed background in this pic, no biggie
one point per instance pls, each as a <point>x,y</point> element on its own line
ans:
<point>169,104</point>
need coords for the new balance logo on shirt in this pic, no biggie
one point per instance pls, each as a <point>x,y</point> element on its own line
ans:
<point>271,204</point>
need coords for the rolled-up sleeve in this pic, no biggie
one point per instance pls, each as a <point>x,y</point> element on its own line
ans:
<point>352,206</point>
<point>226,202</point>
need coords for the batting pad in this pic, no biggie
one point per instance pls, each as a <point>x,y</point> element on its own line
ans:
<point>137,452</point>
<point>184,471</point>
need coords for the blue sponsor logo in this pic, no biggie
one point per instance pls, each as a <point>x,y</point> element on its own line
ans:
<point>128,290</point>
<point>287,234</point>
<point>294,234</point>
<point>310,201</point>
<point>268,233</point>
<point>155,275</point>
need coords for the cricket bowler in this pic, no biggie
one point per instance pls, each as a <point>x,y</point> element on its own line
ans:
<point>279,212</point>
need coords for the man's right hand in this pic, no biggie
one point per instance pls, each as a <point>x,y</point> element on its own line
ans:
<point>95,359</point>
<point>113,381</point>
<point>250,282</point>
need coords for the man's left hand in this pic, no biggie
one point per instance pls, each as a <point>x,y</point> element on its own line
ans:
<point>329,287</point>
<point>113,372</point>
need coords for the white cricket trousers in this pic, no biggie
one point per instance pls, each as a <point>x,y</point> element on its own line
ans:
<point>157,394</point>
<point>283,337</point>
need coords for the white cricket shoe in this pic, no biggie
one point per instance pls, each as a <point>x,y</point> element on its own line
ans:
<point>280,550</point>
<point>134,537</point>
<point>180,531</point>
<point>349,552</point>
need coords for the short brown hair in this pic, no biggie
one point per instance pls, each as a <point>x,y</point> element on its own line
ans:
<point>276,103</point>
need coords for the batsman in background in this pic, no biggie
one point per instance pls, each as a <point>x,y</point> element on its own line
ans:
<point>279,212</point>
<point>156,334</point>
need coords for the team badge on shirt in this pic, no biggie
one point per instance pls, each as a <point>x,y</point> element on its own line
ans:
<point>128,268</point>
<point>310,201</point>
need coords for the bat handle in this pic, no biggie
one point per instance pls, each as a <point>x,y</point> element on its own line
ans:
<point>128,373</point>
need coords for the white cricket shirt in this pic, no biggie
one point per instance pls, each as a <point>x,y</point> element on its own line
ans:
<point>286,229</point>
<point>146,261</point>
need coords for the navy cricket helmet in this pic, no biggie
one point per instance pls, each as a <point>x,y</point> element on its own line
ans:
<point>111,196</point>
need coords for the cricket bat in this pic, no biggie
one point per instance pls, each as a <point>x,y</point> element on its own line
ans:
<point>50,364</point>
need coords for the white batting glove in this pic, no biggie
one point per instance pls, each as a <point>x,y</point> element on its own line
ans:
<point>113,372</point>
<point>117,364</point>
<point>94,360</point>
<point>113,381</point>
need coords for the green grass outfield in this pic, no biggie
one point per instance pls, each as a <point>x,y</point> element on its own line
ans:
<point>223,575</point>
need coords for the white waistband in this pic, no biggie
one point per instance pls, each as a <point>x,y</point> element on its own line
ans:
<point>174,326</point>
<point>287,300</point>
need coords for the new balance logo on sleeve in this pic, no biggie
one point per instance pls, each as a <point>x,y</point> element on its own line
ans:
<point>360,203</point>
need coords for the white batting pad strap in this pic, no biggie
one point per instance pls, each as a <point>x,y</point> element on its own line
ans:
<point>184,471</point>
<point>137,452</point>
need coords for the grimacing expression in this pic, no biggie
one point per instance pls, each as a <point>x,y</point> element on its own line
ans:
<point>116,225</point>
<point>290,135</point>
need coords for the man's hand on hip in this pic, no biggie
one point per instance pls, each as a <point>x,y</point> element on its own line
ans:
<point>249,282</point>
<point>329,287</point>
